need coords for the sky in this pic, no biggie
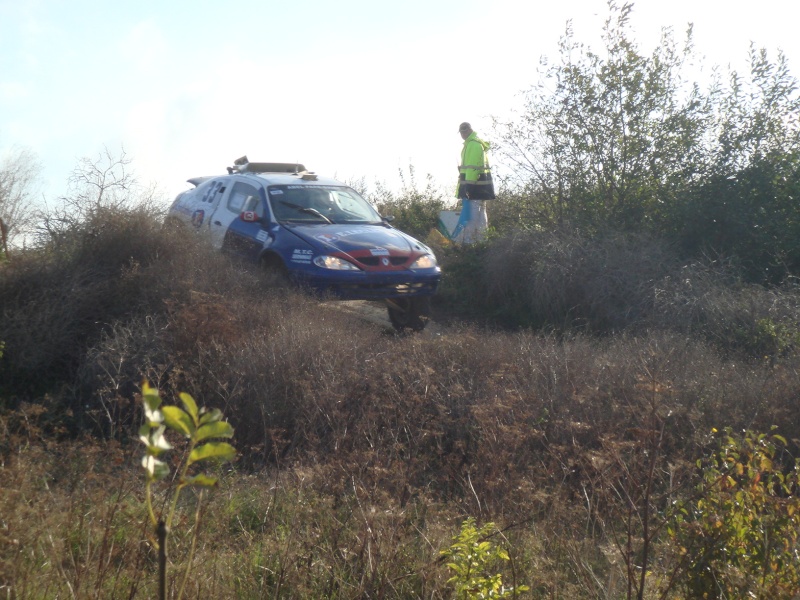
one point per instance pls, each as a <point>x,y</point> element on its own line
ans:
<point>349,88</point>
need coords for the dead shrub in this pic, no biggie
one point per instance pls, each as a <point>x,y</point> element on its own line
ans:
<point>707,299</point>
<point>111,372</point>
<point>564,280</point>
<point>58,298</point>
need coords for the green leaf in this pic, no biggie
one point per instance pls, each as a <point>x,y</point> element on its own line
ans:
<point>210,416</point>
<point>190,405</point>
<point>218,429</point>
<point>150,397</point>
<point>201,481</point>
<point>213,450</point>
<point>178,420</point>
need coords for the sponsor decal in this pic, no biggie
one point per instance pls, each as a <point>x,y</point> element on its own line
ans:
<point>379,252</point>
<point>355,231</point>
<point>302,256</point>
<point>385,262</point>
<point>329,237</point>
<point>197,217</point>
<point>262,236</point>
<point>275,192</point>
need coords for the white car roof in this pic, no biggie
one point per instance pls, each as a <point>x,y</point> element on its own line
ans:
<point>292,179</point>
<point>271,174</point>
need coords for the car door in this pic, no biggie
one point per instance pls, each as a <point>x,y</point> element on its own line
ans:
<point>229,209</point>
<point>247,233</point>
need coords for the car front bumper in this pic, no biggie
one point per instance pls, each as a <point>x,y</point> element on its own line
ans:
<point>370,285</point>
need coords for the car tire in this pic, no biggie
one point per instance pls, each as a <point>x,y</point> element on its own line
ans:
<point>409,313</point>
<point>275,273</point>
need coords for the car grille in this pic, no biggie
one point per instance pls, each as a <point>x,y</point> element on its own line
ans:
<point>374,261</point>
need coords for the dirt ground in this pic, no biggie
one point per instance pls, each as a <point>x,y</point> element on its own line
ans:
<point>375,312</point>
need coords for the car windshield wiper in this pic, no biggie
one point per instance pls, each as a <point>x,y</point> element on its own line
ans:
<point>310,211</point>
<point>314,211</point>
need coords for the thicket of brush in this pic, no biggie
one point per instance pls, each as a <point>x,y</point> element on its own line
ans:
<point>361,451</point>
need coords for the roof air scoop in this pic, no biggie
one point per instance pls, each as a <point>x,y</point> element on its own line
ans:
<point>243,165</point>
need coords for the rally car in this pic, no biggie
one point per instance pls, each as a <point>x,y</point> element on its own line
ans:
<point>315,232</point>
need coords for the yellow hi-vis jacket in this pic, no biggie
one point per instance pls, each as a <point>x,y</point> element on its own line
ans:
<point>475,177</point>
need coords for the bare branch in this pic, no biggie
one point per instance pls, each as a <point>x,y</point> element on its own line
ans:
<point>19,171</point>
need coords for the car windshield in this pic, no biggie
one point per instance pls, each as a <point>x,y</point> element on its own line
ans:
<point>320,204</point>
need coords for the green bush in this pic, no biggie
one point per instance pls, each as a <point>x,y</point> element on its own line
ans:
<point>624,140</point>
<point>741,529</point>
<point>415,211</point>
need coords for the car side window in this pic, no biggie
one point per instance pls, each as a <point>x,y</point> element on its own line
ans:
<point>240,196</point>
<point>254,204</point>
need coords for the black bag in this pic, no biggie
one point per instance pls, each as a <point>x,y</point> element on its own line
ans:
<point>483,189</point>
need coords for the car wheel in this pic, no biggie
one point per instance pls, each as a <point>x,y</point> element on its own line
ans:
<point>275,273</point>
<point>409,313</point>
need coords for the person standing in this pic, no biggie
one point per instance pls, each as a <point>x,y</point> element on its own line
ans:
<point>474,187</point>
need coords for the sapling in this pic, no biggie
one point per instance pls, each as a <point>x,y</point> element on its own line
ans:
<point>470,557</point>
<point>202,428</point>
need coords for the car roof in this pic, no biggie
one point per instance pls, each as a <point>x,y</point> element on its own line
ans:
<point>271,174</point>
<point>292,179</point>
<point>271,179</point>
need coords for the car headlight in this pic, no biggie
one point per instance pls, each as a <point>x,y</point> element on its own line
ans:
<point>426,261</point>
<point>335,263</point>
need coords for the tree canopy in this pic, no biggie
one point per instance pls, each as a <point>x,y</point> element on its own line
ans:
<point>622,140</point>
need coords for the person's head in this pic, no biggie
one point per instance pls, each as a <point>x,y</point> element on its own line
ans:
<point>465,129</point>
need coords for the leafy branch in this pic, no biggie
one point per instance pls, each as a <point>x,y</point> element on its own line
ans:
<point>470,556</point>
<point>202,428</point>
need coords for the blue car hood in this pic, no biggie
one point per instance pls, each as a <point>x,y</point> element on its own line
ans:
<point>350,238</point>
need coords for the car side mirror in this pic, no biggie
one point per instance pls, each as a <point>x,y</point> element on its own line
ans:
<point>249,216</point>
<point>388,218</point>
